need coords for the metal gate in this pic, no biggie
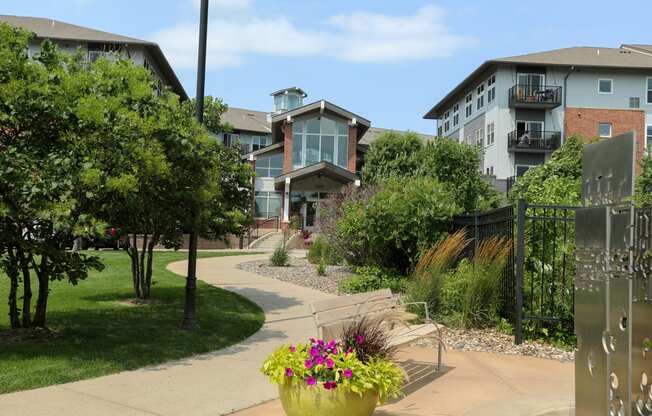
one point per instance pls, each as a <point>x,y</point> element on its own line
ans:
<point>482,225</point>
<point>544,267</point>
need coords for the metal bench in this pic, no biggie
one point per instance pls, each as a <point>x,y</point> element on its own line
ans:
<point>332,315</point>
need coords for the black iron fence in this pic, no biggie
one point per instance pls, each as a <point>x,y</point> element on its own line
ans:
<point>535,95</point>
<point>534,140</point>
<point>545,247</point>
<point>482,225</point>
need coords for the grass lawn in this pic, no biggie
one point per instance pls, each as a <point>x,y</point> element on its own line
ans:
<point>98,333</point>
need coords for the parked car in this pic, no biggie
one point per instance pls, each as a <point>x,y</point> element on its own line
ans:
<point>113,238</point>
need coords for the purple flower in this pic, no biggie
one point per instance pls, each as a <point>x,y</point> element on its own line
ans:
<point>348,373</point>
<point>319,360</point>
<point>330,363</point>
<point>331,344</point>
<point>308,363</point>
<point>330,385</point>
<point>359,339</point>
<point>320,342</point>
<point>289,372</point>
<point>314,351</point>
<point>311,381</point>
<point>312,340</point>
<point>293,348</point>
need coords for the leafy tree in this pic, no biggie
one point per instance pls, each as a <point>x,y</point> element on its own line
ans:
<point>392,155</point>
<point>41,192</point>
<point>556,182</point>
<point>396,155</point>
<point>643,194</point>
<point>391,226</point>
<point>456,164</point>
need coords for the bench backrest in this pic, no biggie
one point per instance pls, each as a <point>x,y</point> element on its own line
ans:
<point>330,312</point>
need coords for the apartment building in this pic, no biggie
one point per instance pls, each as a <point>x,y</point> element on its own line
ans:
<point>520,109</point>
<point>95,44</point>
<point>300,152</point>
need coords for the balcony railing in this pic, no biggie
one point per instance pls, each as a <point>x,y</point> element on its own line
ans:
<point>533,141</point>
<point>534,96</point>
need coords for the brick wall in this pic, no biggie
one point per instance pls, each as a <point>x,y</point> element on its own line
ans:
<point>287,151</point>
<point>353,144</point>
<point>584,121</point>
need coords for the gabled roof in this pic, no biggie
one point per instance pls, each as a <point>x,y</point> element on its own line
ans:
<point>322,168</point>
<point>248,120</point>
<point>625,57</point>
<point>317,105</point>
<point>53,29</point>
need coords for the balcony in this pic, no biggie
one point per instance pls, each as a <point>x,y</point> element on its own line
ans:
<point>533,141</point>
<point>534,96</point>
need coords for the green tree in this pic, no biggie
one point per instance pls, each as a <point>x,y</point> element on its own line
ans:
<point>556,182</point>
<point>643,195</point>
<point>42,195</point>
<point>392,155</point>
<point>457,165</point>
<point>391,226</point>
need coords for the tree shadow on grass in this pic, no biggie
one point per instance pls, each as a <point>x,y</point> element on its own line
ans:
<point>112,337</point>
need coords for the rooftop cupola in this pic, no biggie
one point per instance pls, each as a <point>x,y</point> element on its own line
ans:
<point>288,99</point>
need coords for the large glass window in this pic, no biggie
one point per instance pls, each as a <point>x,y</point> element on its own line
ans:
<point>269,166</point>
<point>648,142</point>
<point>268,204</point>
<point>251,143</point>
<point>319,139</point>
<point>649,90</point>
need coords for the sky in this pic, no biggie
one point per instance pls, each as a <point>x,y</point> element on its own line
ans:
<point>389,61</point>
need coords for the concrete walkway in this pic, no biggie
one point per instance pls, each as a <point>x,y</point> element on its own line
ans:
<point>478,384</point>
<point>211,384</point>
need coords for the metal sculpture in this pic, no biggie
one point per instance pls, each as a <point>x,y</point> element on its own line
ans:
<point>613,297</point>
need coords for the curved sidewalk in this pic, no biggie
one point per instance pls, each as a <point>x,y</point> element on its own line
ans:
<point>210,384</point>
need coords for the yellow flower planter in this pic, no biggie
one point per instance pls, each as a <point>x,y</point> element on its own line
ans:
<point>301,400</point>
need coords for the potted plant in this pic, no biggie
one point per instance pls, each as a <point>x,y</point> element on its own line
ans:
<point>347,377</point>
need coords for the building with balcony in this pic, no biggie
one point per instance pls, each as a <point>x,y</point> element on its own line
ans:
<point>95,44</point>
<point>300,152</point>
<point>520,109</point>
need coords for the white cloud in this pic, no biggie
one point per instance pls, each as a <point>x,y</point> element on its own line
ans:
<point>355,37</point>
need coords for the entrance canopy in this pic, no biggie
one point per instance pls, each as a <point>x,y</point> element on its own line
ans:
<point>322,176</point>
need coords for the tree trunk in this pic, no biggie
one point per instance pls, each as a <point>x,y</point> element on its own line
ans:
<point>12,273</point>
<point>43,292</point>
<point>27,289</point>
<point>133,253</point>
<point>141,272</point>
<point>148,271</point>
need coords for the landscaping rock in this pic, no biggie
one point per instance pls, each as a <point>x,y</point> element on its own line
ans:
<point>490,340</point>
<point>300,272</point>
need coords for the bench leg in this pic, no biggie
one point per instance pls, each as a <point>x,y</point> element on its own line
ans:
<point>439,360</point>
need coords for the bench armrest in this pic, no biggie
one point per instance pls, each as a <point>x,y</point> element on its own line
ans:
<point>425,307</point>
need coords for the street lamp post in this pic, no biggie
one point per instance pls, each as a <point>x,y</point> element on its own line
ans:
<point>190,307</point>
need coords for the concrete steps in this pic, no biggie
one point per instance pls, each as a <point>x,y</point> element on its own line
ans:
<point>268,242</point>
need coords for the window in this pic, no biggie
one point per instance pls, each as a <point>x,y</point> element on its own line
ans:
<point>491,89</point>
<point>268,204</point>
<point>456,115</point>
<point>479,137</point>
<point>490,134</point>
<point>252,143</point>
<point>604,129</point>
<point>469,140</point>
<point>480,99</point>
<point>648,142</point>
<point>529,130</point>
<point>469,105</point>
<point>320,139</point>
<point>439,131</point>
<point>447,124</point>
<point>649,90</point>
<point>605,86</point>
<point>634,102</point>
<point>269,166</point>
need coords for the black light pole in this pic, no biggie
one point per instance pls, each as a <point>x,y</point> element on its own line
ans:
<point>190,307</point>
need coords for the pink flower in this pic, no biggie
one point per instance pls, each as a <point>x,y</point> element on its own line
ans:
<point>311,381</point>
<point>330,385</point>
<point>293,348</point>
<point>348,373</point>
<point>359,339</point>
<point>319,360</point>
<point>308,363</point>
<point>289,372</point>
<point>330,363</point>
<point>314,351</point>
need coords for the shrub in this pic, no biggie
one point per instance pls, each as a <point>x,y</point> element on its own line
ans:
<point>280,257</point>
<point>368,339</point>
<point>391,228</point>
<point>321,251</point>
<point>369,278</point>
<point>391,155</point>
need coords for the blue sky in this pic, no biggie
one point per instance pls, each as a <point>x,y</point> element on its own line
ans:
<point>386,60</point>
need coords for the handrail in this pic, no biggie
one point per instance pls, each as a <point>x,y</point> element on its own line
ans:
<point>534,140</point>
<point>535,94</point>
<point>254,231</point>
